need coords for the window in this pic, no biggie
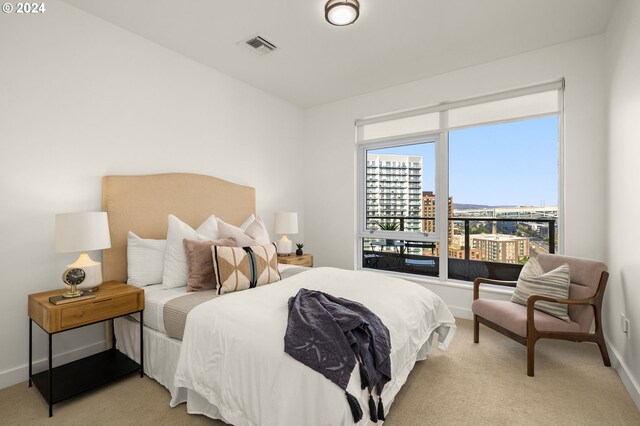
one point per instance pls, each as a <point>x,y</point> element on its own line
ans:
<point>503,180</point>
<point>400,176</point>
<point>461,190</point>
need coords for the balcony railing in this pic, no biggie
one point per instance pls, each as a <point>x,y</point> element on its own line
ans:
<point>479,247</point>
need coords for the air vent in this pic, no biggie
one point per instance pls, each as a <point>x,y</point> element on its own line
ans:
<point>260,45</point>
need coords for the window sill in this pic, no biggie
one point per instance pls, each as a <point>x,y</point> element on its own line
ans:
<point>464,285</point>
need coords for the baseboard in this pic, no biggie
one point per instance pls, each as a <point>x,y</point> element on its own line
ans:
<point>21,373</point>
<point>464,313</point>
<point>630,383</point>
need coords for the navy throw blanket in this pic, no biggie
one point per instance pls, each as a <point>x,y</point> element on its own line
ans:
<point>330,335</point>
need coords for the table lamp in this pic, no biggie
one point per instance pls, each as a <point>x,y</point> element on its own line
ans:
<point>83,232</point>
<point>285,223</point>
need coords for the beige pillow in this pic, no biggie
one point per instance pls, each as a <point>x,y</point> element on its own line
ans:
<point>241,268</point>
<point>256,233</point>
<point>200,262</point>
<point>533,280</point>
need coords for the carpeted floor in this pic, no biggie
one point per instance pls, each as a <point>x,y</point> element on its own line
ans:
<point>468,385</point>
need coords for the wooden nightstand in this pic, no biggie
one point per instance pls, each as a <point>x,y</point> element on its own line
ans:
<point>113,300</point>
<point>302,260</point>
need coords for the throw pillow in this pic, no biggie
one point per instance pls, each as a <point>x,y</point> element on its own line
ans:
<point>256,233</point>
<point>175,260</point>
<point>555,283</point>
<point>241,268</point>
<point>248,222</point>
<point>200,263</point>
<point>145,260</point>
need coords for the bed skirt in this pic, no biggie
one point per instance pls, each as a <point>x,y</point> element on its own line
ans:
<point>161,355</point>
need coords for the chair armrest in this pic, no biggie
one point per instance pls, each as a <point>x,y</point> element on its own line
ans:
<point>478,281</point>
<point>531,301</point>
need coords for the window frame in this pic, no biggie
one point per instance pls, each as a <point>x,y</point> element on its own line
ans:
<point>441,138</point>
<point>392,142</point>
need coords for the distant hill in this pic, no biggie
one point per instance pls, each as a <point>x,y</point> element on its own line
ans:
<point>457,206</point>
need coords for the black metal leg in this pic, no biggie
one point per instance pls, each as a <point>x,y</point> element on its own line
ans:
<point>30,351</point>
<point>50,399</point>
<point>141,344</point>
<point>113,334</point>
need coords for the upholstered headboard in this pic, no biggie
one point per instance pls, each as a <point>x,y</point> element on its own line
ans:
<point>141,204</point>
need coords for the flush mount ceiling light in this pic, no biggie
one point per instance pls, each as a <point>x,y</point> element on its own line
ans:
<point>341,12</point>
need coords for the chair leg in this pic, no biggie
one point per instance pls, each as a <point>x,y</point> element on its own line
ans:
<point>531,345</point>
<point>600,338</point>
<point>603,351</point>
<point>476,329</point>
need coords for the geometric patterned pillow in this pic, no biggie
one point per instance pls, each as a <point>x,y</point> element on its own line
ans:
<point>241,268</point>
<point>533,280</point>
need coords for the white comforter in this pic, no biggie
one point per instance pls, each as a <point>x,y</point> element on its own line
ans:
<point>233,355</point>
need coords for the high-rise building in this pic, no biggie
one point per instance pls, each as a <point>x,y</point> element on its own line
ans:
<point>394,188</point>
<point>501,248</point>
<point>429,210</point>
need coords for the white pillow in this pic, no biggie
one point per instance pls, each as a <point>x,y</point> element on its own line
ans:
<point>247,222</point>
<point>256,233</point>
<point>145,260</point>
<point>239,229</point>
<point>175,260</point>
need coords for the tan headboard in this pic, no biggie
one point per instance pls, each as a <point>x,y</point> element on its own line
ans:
<point>141,204</point>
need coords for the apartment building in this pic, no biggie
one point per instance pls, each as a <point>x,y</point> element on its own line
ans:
<point>501,248</point>
<point>394,190</point>
<point>429,210</point>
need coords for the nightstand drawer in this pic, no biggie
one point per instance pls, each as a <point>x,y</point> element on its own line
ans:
<point>302,260</point>
<point>98,310</point>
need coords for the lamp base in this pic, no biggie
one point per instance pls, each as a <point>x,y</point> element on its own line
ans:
<point>284,246</point>
<point>92,271</point>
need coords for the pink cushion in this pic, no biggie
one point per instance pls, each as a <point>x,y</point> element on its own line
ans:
<point>513,317</point>
<point>585,277</point>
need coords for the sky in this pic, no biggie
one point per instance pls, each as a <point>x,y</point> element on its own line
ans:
<point>509,164</point>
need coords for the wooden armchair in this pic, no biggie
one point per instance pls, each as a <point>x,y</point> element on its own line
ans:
<point>588,279</point>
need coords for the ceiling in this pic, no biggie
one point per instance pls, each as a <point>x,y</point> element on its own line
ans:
<point>393,41</point>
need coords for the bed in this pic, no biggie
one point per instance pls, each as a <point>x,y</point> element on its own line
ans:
<point>229,363</point>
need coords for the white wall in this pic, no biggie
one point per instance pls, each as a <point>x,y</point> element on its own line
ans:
<point>81,98</point>
<point>623,292</point>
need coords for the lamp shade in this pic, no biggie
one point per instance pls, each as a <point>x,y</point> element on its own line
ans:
<point>286,223</point>
<point>77,232</point>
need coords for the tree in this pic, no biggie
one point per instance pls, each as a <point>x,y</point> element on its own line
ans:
<point>480,229</point>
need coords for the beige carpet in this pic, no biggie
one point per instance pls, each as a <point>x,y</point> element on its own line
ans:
<point>468,385</point>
